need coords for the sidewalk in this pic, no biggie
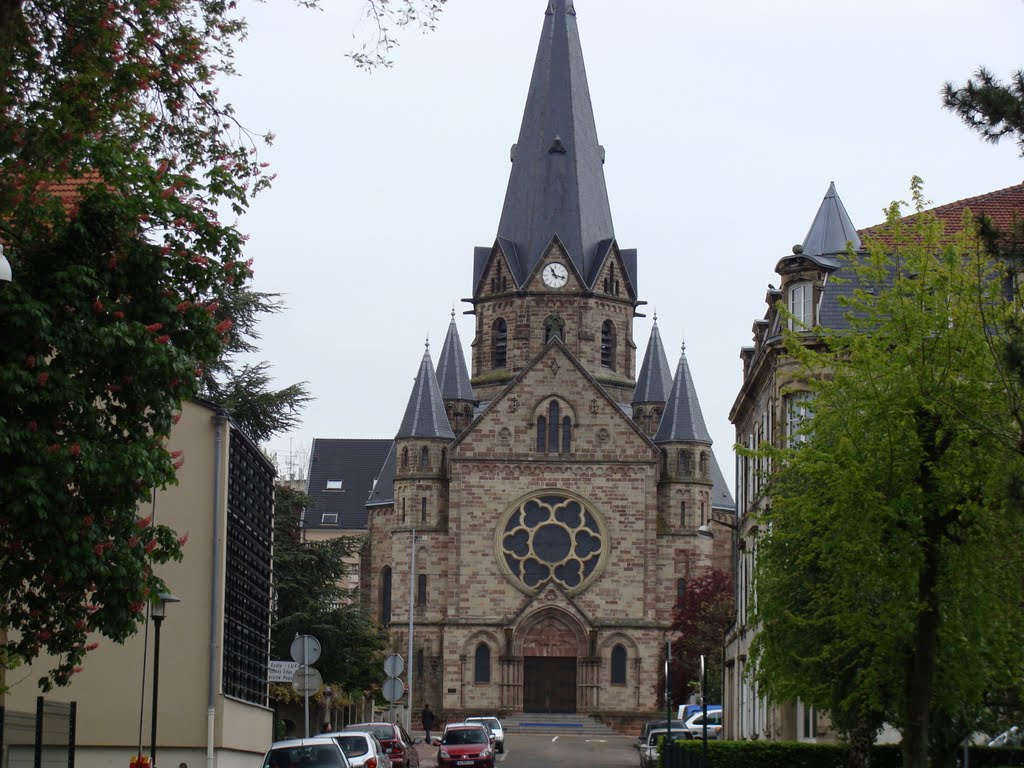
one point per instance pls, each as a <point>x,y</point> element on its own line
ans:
<point>428,755</point>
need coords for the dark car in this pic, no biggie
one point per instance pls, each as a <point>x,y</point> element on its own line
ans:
<point>465,744</point>
<point>397,743</point>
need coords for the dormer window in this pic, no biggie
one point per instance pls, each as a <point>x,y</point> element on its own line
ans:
<point>801,306</point>
<point>334,485</point>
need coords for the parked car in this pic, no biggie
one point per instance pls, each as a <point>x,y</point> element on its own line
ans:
<point>362,749</point>
<point>650,746</point>
<point>1013,737</point>
<point>686,711</point>
<point>315,752</point>
<point>650,725</point>
<point>495,726</point>
<point>465,744</point>
<point>694,726</point>
<point>399,746</point>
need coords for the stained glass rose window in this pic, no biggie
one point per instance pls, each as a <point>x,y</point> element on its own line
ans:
<point>551,536</point>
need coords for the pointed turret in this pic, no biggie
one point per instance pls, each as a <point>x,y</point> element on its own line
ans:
<point>453,378</point>
<point>683,420</point>
<point>653,385</point>
<point>557,186</point>
<point>828,235</point>
<point>425,415</point>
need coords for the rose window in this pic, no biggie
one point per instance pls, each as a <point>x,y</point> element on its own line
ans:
<point>551,537</point>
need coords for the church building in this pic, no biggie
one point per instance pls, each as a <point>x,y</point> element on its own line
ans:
<point>541,508</point>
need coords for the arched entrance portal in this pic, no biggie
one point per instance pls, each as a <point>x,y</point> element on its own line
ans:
<point>550,649</point>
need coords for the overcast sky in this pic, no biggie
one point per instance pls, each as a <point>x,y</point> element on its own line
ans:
<point>723,124</point>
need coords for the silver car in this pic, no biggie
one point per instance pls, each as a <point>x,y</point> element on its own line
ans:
<point>362,749</point>
<point>493,725</point>
<point>315,752</point>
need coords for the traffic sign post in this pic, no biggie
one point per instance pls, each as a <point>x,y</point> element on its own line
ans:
<point>305,649</point>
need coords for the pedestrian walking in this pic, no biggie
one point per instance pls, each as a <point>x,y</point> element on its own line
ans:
<point>428,720</point>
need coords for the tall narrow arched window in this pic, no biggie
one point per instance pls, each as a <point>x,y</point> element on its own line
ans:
<point>424,456</point>
<point>482,664</point>
<point>553,421</point>
<point>682,514</point>
<point>554,328</point>
<point>608,344</point>
<point>664,461</point>
<point>421,589</point>
<point>423,509</point>
<point>405,457</point>
<point>618,665</point>
<point>566,434</point>
<point>704,463</point>
<point>499,358</point>
<point>444,459</point>
<point>384,598</point>
<point>683,465</point>
<point>542,434</point>
<point>801,306</point>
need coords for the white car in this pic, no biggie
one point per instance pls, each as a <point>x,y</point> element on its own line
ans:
<point>362,749</point>
<point>693,728</point>
<point>493,724</point>
<point>315,752</point>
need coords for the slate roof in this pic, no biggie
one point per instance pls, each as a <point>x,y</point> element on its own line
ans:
<point>828,236</point>
<point>384,486</point>
<point>425,415</point>
<point>353,462</point>
<point>721,497</point>
<point>682,419</point>
<point>452,373</point>
<point>556,187</point>
<point>654,383</point>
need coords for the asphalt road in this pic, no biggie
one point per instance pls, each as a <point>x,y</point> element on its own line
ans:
<point>542,750</point>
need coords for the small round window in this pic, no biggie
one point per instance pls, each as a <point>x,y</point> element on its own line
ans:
<point>551,536</point>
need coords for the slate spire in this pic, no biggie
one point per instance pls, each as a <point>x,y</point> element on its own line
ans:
<point>557,186</point>
<point>425,415</point>
<point>829,233</point>
<point>682,420</point>
<point>452,373</point>
<point>654,383</point>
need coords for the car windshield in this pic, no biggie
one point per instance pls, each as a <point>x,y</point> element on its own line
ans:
<point>353,746</point>
<point>305,756</point>
<point>382,732</point>
<point>465,736</point>
<point>490,722</point>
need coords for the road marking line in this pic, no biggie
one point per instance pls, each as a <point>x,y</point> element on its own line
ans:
<point>554,739</point>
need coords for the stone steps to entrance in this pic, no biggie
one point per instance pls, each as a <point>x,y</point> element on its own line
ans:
<point>555,723</point>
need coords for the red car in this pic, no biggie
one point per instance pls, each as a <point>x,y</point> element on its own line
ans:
<point>465,744</point>
<point>398,744</point>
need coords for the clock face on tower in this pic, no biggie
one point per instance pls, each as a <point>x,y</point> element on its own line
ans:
<point>555,275</point>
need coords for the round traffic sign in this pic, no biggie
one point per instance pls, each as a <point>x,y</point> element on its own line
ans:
<point>393,689</point>
<point>305,649</point>
<point>393,665</point>
<point>306,681</point>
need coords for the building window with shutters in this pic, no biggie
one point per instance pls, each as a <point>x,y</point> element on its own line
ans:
<point>482,664</point>
<point>499,350</point>
<point>618,665</point>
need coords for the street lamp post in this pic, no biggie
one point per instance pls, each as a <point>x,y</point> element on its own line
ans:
<point>704,711</point>
<point>157,613</point>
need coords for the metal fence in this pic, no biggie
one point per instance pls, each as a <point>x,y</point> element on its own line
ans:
<point>677,757</point>
<point>41,739</point>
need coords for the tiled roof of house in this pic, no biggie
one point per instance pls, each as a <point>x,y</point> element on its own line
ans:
<point>721,497</point>
<point>341,476</point>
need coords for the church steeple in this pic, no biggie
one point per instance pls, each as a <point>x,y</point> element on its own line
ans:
<point>655,380</point>
<point>453,378</point>
<point>683,420</point>
<point>827,237</point>
<point>424,415</point>
<point>557,187</point>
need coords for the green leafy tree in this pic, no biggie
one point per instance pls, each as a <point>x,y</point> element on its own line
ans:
<point>118,164</point>
<point>310,598</point>
<point>700,620</point>
<point>884,587</point>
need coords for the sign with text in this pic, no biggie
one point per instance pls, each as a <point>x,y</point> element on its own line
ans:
<point>282,671</point>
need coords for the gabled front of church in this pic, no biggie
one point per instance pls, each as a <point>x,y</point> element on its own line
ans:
<point>540,510</point>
